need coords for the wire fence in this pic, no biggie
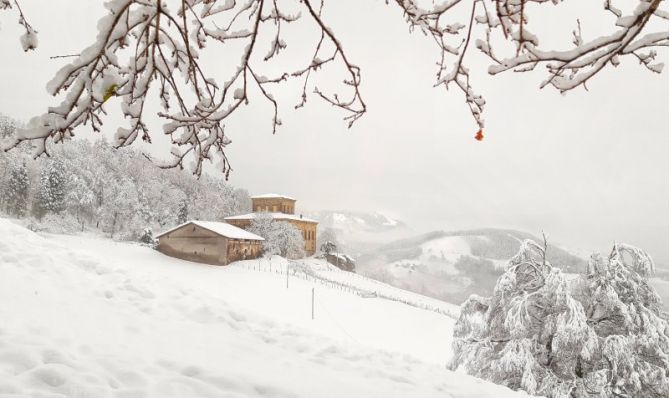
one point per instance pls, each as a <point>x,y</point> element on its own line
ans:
<point>353,283</point>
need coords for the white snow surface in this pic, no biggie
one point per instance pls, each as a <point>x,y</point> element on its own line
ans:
<point>89,317</point>
<point>220,228</point>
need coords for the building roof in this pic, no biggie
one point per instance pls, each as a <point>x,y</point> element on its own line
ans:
<point>272,196</point>
<point>220,228</point>
<point>276,216</point>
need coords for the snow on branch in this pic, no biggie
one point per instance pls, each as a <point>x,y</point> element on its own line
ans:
<point>632,35</point>
<point>146,47</point>
<point>29,39</point>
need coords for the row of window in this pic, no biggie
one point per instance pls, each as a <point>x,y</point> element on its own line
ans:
<point>309,235</point>
<point>284,208</point>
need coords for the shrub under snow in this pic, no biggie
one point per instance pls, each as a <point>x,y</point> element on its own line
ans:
<point>599,334</point>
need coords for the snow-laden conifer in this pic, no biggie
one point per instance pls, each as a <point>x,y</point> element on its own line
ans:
<point>16,189</point>
<point>599,334</point>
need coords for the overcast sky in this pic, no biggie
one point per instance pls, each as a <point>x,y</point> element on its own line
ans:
<point>588,167</point>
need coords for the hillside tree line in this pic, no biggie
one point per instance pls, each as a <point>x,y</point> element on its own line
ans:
<point>92,186</point>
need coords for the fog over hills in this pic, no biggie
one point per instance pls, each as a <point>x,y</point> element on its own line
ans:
<point>451,265</point>
<point>359,232</point>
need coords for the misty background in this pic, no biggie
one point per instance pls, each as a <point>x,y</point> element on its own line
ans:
<point>588,167</point>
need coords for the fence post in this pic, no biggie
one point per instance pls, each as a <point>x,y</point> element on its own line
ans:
<point>287,276</point>
<point>312,303</point>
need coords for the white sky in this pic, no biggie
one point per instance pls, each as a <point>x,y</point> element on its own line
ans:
<point>586,167</point>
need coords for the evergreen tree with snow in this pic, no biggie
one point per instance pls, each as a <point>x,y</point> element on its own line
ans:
<point>16,190</point>
<point>50,195</point>
<point>182,214</point>
<point>7,126</point>
<point>600,334</point>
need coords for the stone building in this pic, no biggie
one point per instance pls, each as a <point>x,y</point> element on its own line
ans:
<point>281,208</point>
<point>273,203</point>
<point>210,243</point>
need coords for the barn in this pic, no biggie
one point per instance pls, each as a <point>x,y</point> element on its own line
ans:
<point>209,242</point>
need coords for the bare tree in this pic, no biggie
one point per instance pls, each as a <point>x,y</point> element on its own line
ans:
<point>144,45</point>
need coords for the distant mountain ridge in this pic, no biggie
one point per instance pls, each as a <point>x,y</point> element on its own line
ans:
<point>451,265</point>
<point>359,231</point>
<point>357,220</point>
<point>502,244</point>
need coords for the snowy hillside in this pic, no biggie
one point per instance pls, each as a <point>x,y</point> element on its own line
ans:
<point>88,317</point>
<point>452,265</point>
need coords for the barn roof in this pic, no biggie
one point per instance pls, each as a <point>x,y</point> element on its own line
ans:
<point>272,196</point>
<point>276,216</point>
<point>220,228</point>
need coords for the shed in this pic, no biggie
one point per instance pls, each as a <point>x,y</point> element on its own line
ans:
<point>209,242</point>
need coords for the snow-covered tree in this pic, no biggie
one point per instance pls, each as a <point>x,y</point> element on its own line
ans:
<point>147,47</point>
<point>289,239</point>
<point>600,334</point>
<point>147,237</point>
<point>79,199</point>
<point>327,235</point>
<point>241,201</point>
<point>280,237</point>
<point>328,247</point>
<point>121,209</point>
<point>263,226</point>
<point>7,126</point>
<point>182,213</point>
<point>50,195</point>
<point>16,189</point>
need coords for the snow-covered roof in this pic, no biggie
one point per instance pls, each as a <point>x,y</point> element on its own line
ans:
<point>220,228</point>
<point>276,216</point>
<point>272,196</point>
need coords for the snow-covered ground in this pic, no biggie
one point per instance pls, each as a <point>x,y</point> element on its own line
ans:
<point>88,317</point>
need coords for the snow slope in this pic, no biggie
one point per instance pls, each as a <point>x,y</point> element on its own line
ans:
<point>85,317</point>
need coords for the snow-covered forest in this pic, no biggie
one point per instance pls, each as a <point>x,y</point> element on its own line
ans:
<point>92,186</point>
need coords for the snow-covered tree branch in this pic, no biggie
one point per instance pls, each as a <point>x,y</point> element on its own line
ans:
<point>635,33</point>
<point>154,47</point>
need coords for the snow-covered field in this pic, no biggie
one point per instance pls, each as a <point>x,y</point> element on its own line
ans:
<point>88,317</point>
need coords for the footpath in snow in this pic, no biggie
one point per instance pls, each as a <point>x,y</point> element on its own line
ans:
<point>87,317</point>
